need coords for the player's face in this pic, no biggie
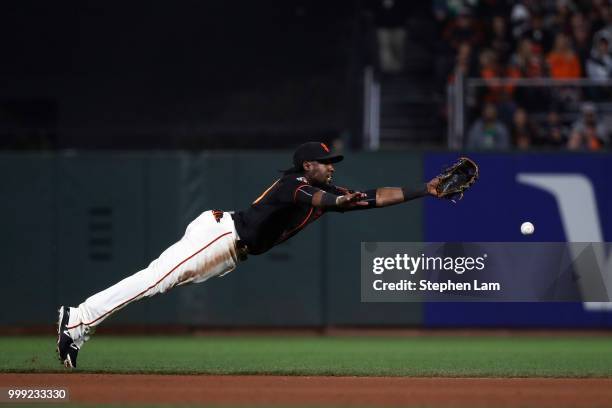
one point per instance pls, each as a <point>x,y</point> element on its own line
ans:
<point>319,173</point>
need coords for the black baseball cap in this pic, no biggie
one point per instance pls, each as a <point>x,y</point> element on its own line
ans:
<point>313,151</point>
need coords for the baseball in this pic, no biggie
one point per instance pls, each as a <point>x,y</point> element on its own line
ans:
<point>527,228</point>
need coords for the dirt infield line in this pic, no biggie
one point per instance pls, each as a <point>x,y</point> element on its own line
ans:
<point>336,391</point>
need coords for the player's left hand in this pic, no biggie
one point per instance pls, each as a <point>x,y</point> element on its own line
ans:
<point>432,187</point>
<point>351,200</point>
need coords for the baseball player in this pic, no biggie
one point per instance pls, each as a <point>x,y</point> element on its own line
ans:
<point>216,241</point>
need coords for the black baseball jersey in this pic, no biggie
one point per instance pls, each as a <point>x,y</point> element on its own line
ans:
<point>280,212</point>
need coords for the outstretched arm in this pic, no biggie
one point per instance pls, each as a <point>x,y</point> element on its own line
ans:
<point>376,198</point>
<point>386,196</point>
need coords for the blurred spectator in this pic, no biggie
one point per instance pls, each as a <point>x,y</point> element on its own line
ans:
<point>587,132</point>
<point>519,18</point>
<point>440,11</point>
<point>599,15</point>
<point>499,94</point>
<point>581,38</point>
<point>554,134</point>
<point>487,132</point>
<point>559,22</point>
<point>464,65</point>
<point>540,36</point>
<point>603,30</point>
<point>599,64</point>
<point>526,64</point>
<point>599,68</point>
<point>456,28</point>
<point>500,40</point>
<point>390,18</point>
<point>463,29</point>
<point>582,44</point>
<point>444,10</point>
<point>490,69</point>
<point>562,61</point>
<point>524,132</point>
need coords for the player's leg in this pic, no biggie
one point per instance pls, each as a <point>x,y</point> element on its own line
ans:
<point>206,250</point>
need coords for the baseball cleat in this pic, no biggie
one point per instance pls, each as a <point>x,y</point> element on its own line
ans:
<point>67,350</point>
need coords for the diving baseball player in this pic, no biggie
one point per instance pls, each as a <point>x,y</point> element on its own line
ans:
<point>216,241</point>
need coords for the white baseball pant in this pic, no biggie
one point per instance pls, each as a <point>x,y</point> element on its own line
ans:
<point>207,249</point>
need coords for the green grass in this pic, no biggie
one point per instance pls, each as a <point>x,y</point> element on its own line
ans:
<point>477,356</point>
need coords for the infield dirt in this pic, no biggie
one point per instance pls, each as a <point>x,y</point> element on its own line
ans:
<point>326,391</point>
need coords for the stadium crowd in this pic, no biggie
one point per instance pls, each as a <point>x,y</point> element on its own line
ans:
<point>554,39</point>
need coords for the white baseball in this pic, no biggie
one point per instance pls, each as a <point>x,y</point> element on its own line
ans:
<point>527,228</point>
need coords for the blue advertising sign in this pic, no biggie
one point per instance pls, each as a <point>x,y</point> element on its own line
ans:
<point>565,196</point>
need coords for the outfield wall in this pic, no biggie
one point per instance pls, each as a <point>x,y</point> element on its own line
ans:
<point>75,223</point>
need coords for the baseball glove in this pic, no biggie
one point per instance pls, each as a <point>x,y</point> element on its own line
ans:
<point>454,180</point>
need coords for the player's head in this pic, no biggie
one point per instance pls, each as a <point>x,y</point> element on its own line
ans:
<point>315,160</point>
